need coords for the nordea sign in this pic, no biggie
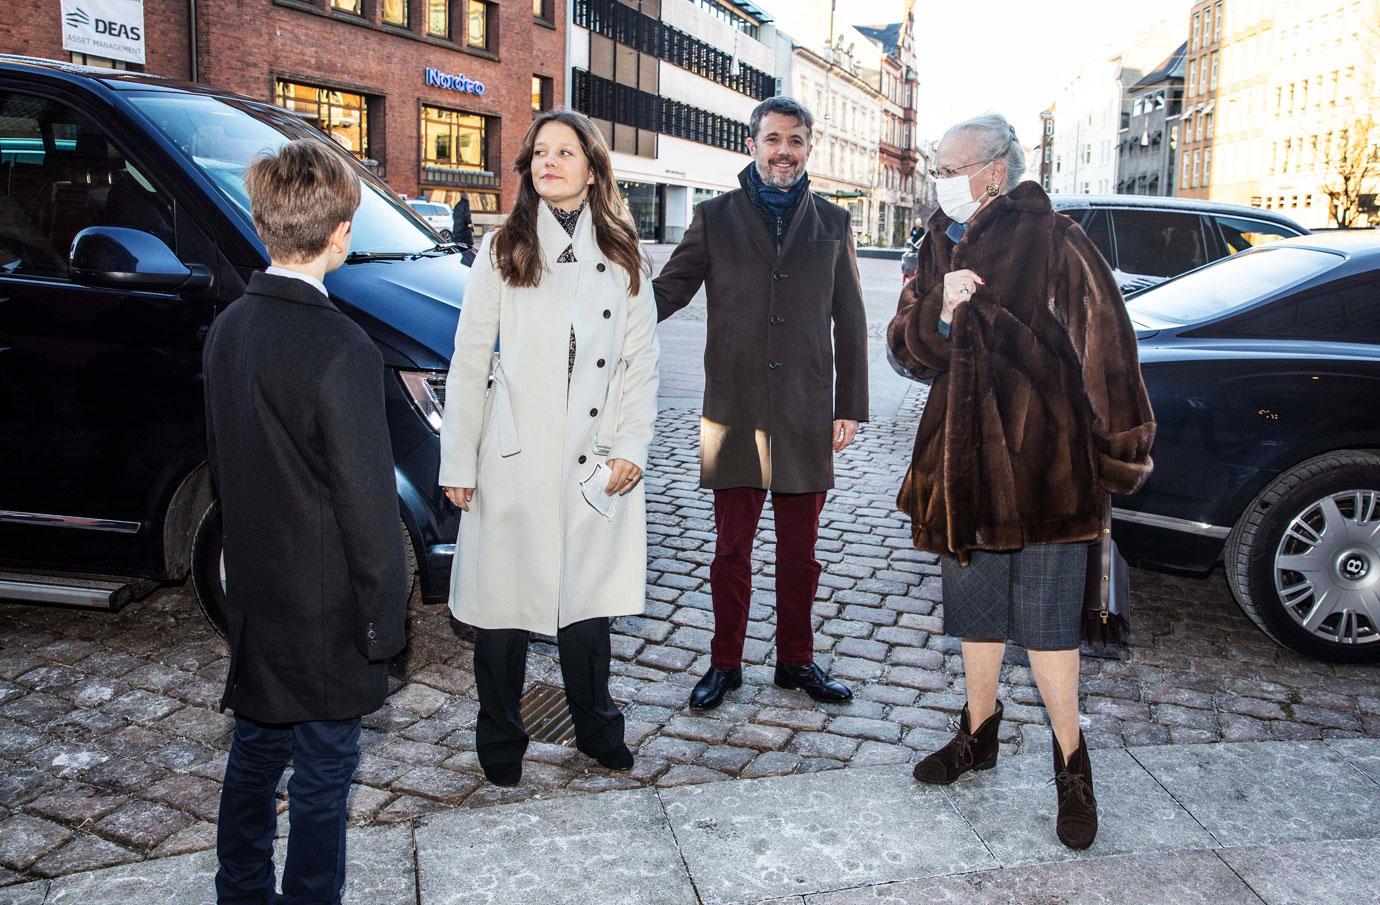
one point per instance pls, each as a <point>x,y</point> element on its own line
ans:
<point>457,82</point>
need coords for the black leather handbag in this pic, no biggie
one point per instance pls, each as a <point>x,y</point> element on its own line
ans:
<point>1107,592</point>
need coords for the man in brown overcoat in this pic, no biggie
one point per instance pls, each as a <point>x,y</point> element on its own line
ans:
<point>781,396</point>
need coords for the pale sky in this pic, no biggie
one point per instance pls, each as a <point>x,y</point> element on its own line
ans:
<point>1003,55</point>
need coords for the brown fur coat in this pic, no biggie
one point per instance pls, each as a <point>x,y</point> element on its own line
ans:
<point>1037,410</point>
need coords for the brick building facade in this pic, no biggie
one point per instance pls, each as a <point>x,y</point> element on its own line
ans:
<point>434,95</point>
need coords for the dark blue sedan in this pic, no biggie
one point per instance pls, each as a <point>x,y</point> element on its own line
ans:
<point>1264,372</point>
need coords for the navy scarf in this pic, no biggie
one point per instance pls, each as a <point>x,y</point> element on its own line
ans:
<point>778,201</point>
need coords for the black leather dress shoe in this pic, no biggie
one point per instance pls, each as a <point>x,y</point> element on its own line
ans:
<point>813,681</point>
<point>616,758</point>
<point>709,692</point>
<point>505,775</point>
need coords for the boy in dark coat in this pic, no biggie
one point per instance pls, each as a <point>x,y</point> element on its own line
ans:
<point>316,583</point>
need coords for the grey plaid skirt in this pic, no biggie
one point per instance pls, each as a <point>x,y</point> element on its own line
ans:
<point>1032,597</point>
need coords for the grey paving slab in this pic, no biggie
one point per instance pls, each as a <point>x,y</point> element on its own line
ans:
<point>1262,793</point>
<point>755,839</point>
<point>1309,873</point>
<point>611,847</point>
<point>1364,753</point>
<point>1184,878</point>
<point>1013,806</point>
<point>25,893</point>
<point>380,872</point>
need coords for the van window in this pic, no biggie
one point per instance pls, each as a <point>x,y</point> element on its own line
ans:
<point>1158,243</point>
<point>1239,233</point>
<point>220,137</point>
<point>58,175</point>
<point>1100,232</point>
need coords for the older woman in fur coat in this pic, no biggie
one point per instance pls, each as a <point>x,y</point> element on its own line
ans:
<point>1037,412</point>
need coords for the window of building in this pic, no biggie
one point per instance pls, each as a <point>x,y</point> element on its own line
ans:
<point>438,18</point>
<point>1217,24</point>
<point>541,92</point>
<point>1197,166</point>
<point>340,114</point>
<point>349,6</point>
<point>541,9</point>
<point>479,24</point>
<point>1197,30</point>
<point>1192,78</point>
<point>393,12</point>
<point>1213,82</point>
<point>724,14</point>
<point>1207,167</point>
<point>452,139</point>
<point>62,175</point>
<point>1209,118</point>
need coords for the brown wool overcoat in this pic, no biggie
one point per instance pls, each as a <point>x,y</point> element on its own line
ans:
<point>1037,410</point>
<point>786,345</point>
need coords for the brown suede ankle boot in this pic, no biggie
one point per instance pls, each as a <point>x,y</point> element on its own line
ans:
<point>968,750</point>
<point>1077,821</point>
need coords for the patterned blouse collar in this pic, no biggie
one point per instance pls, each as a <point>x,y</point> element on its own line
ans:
<point>567,219</point>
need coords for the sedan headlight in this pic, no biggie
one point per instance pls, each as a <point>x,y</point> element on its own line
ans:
<point>427,390</point>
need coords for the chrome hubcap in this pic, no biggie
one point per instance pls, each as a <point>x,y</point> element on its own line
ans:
<point>1327,568</point>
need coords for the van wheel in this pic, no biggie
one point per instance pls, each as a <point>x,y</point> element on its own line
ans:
<point>208,566</point>
<point>1304,561</point>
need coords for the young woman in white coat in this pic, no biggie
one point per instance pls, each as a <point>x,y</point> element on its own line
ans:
<point>564,290</point>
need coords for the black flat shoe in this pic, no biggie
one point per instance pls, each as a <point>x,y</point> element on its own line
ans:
<point>505,775</point>
<point>616,758</point>
<point>709,692</point>
<point>813,681</point>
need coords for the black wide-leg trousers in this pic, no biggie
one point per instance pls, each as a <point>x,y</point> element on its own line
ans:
<point>500,667</point>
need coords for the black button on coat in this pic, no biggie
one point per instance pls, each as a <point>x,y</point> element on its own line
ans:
<point>316,582</point>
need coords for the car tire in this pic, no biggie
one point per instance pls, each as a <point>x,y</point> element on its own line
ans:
<point>208,576</point>
<point>445,234</point>
<point>208,579</point>
<point>1316,516</point>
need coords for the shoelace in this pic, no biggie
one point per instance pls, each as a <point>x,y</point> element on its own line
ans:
<point>964,742</point>
<point>1070,783</point>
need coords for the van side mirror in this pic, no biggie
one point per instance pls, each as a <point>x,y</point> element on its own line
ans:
<point>115,257</point>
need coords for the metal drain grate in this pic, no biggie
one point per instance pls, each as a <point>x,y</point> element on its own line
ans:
<point>546,716</point>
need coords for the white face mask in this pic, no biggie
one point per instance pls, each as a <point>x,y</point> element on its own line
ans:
<point>956,196</point>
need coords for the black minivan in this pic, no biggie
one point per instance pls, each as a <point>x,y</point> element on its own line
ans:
<point>124,231</point>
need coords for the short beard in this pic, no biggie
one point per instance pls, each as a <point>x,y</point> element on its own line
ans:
<point>776,183</point>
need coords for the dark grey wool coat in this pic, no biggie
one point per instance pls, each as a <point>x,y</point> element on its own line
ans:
<point>316,583</point>
<point>786,350</point>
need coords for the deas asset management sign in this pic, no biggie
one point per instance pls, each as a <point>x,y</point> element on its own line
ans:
<point>104,28</point>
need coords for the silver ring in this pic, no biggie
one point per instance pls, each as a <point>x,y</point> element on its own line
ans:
<point>965,291</point>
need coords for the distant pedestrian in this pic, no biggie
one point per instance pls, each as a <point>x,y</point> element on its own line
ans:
<point>548,465</point>
<point>1037,412</point>
<point>785,385</point>
<point>315,581</point>
<point>461,222</point>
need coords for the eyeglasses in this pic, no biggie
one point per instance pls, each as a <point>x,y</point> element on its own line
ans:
<point>949,173</point>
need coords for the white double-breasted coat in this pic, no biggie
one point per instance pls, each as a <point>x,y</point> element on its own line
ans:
<point>532,553</point>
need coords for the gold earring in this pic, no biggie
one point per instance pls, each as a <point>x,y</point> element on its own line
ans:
<point>991,191</point>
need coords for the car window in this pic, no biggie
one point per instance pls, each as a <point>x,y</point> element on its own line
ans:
<point>1099,229</point>
<point>1158,243</point>
<point>221,136</point>
<point>1345,311</point>
<point>58,175</point>
<point>1240,233</point>
<point>1228,285</point>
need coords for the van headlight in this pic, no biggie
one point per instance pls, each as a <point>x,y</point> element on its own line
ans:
<point>427,390</point>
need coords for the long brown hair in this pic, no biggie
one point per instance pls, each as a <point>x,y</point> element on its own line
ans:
<point>517,251</point>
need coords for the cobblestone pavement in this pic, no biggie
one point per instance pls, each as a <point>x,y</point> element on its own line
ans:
<point>111,748</point>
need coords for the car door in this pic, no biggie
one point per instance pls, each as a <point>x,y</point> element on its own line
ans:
<point>100,399</point>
